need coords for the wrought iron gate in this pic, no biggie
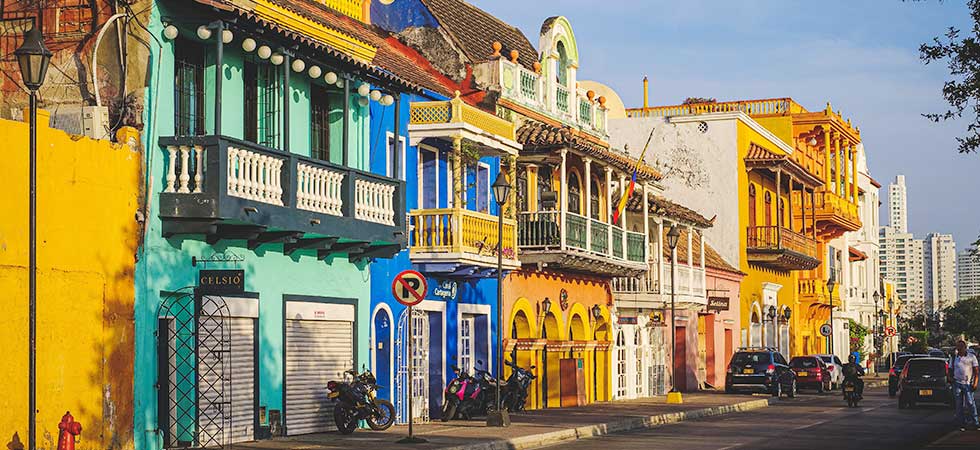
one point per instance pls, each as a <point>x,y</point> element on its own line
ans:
<point>420,378</point>
<point>193,347</point>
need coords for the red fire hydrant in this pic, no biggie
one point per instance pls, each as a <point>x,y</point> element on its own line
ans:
<point>69,429</point>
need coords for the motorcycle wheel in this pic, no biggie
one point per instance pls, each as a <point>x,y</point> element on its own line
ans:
<point>343,417</point>
<point>820,388</point>
<point>792,390</point>
<point>449,410</point>
<point>384,417</point>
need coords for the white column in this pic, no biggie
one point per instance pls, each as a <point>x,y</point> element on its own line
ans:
<point>198,171</point>
<point>171,168</point>
<point>660,256</point>
<point>563,198</point>
<point>609,207</point>
<point>588,203</point>
<point>690,258</point>
<point>184,174</point>
<point>704,281</point>
<point>623,188</point>
<point>646,222</point>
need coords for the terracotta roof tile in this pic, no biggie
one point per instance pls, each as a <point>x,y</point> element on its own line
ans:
<point>474,32</point>
<point>661,206</point>
<point>536,134</point>
<point>712,259</point>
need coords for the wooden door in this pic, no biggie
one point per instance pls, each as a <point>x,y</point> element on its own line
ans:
<point>680,359</point>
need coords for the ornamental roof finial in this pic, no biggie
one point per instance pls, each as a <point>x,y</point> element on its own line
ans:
<point>496,49</point>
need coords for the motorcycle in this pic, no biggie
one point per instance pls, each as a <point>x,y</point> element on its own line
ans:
<point>514,392</point>
<point>468,395</point>
<point>850,393</point>
<point>356,401</point>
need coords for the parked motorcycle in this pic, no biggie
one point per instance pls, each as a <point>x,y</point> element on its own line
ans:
<point>514,392</point>
<point>468,395</point>
<point>356,401</point>
<point>850,393</point>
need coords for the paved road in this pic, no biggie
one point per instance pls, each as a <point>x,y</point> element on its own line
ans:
<point>807,422</point>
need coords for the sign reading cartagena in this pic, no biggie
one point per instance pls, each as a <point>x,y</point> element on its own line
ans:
<point>221,281</point>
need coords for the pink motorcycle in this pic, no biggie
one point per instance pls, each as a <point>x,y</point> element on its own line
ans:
<point>467,396</point>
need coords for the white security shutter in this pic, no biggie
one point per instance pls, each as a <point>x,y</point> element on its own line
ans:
<point>317,351</point>
<point>242,379</point>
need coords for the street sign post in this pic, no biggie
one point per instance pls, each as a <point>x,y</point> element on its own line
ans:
<point>825,330</point>
<point>409,288</point>
<point>890,331</point>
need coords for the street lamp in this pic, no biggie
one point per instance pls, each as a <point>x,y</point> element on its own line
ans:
<point>879,330</point>
<point>501,190</point>
<point>33,58</point>
<point>830,298</point>
<point>674,396</point>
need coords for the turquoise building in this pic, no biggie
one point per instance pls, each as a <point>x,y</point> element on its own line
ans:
<point>258,166</point>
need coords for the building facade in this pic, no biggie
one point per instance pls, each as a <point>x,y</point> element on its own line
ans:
<point>967,275</point>
<point>939,270</point>
<point>901,255</point>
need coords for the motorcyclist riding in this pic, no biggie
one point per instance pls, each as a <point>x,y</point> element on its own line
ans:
<point>853,372</point>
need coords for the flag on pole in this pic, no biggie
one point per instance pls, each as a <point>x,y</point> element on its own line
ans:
<point>629,191</point>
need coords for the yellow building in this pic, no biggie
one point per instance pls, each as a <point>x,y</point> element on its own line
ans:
<point>87,233</point>
<point>797,191</point>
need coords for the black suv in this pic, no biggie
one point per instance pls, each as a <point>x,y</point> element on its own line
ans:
<point>760,370</point>
<point>924,380</point>
<point>896,371</point>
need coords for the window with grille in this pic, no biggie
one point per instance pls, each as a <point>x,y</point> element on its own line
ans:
<point>544,184</point>
<point>263,103</point>
<point>189,60</point>
<point>320,124</point>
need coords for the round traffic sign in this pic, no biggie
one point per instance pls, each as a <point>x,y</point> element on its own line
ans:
<point>409,287</point>
<point>890,331</point>
<point>825,329</point>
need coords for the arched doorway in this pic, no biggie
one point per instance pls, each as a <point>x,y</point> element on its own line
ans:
<point>551,369</point>
<point>381,351</point>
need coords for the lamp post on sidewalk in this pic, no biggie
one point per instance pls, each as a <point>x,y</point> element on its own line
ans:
<point>501,190</point>
<point>674,396</point>
<point>33,58</point>
<point>830,299</point>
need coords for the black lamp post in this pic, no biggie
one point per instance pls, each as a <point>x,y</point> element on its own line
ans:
<point>501,190</point>
<point>771,315</point>
<point>596,314</point>
<point>879,330</point>
<point>672,237</point>
<point>830,298</point>
<point>33,58</point>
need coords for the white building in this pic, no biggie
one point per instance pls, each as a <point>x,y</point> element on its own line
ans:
<point>939,267</point>
<point>900,254</point>
<point>967,275</point>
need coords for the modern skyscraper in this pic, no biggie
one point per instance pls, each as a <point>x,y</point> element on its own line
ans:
<point>939,266</point>
<point>901,254</point>
<point>898,206</point>
<point>967,275</point>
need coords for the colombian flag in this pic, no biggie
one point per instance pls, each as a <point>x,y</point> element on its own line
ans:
<point>629,191</point>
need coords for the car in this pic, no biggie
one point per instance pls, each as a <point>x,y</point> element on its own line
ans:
<point>937,353</point>
<point>811,372</point>
<point>760,370</point>
<point>836,368</point>
<point>896,370</point>
<point>924,380</point>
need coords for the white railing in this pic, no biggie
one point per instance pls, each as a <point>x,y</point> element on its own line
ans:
<point>255,176</point>
<point>374,202</point>
<point>647,283</point>
<point>179,170</point>
<point>319,189</point>
<point>690,280</point>
<point>548,96</point>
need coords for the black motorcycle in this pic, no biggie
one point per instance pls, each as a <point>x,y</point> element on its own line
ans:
<point>514,393</point>
<point>850,393</point>
<point>356,401</point>
<point>468,396</point>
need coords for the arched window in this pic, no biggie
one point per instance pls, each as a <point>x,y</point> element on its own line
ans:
<point>594,197</point>
<point>768,209</point>
<point>574,193</point>
<point>752,205</point>
<point>562,64</point>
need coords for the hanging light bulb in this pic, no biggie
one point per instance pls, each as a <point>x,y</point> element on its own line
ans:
<point>364,89</point>
<point>248,44</point>
<point>330,78</point>
<point>170,32</point>
<point>314,72</point>
<point>340,84</point>
<point>264,52</point>
<point>203,32</point>
<point>276,59</point>
<point>375,95</point>
<point>363,101</point>
<point>227,36</point>
<point>298,65</point>
<point>387,100</point>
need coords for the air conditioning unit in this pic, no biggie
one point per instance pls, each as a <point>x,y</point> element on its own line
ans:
<point>95,122</point>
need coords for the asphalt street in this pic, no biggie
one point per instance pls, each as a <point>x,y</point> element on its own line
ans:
<point>809,421</point>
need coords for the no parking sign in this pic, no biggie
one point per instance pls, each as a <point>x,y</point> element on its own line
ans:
<point>409,287</point>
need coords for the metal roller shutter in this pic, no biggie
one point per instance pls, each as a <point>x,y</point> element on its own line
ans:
<point>317,351</point>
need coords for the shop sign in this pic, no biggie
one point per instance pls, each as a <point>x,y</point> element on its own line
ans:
<point>626,320</point>
<point>445,290</point>
<point>656,319</point>
<point>717,303</point>
<point>221,282</point>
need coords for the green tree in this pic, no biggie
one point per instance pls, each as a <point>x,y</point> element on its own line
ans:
<point>964,318</point>
<point>919,344</point>
<point>858,333</point>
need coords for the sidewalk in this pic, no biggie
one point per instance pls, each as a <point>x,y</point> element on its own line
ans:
<point>531,429</point>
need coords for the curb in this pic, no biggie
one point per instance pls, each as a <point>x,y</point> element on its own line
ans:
<point>634,423</point>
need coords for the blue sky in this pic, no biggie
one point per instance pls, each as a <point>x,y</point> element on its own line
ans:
<point>863,58</point>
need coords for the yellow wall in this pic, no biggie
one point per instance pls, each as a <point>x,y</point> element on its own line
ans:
<point>756,276</point>
<point>87,234</point>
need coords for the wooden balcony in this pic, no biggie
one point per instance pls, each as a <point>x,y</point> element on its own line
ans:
<point>580,244</point>
<point>834,214</point>
<point>779,248</point>
<point>228,189</point>
<point>460,242</point>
